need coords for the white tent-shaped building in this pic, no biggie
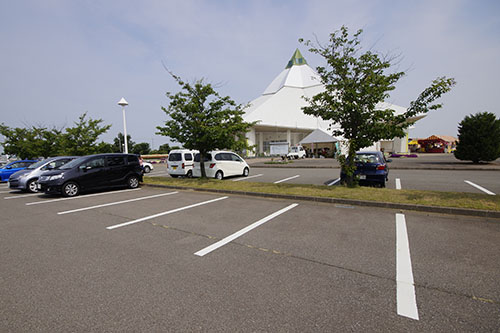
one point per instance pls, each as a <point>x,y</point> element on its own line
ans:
<point>278,111</point>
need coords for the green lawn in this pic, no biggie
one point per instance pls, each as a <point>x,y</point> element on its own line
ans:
<point>427,198</point>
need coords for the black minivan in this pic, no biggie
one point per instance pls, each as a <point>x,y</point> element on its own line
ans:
<point>92,172</point>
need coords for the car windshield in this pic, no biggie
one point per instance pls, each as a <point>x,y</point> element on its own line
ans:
<point>73,163</point>
<point>175,157</point>
<point>36,165</point>
<point>367,158</point>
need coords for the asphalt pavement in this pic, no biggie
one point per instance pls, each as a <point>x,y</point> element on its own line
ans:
<point>137,260</point>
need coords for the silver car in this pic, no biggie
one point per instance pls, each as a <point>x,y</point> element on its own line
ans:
<point>26,179</point>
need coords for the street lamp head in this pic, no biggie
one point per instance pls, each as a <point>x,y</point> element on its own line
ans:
<point>122,102</point>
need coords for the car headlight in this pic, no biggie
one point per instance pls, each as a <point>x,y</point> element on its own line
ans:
<point>55,177</point>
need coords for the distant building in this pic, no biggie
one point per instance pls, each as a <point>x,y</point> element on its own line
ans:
<point>279,116</point>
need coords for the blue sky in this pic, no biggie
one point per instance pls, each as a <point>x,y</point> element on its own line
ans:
<point>62,58</point>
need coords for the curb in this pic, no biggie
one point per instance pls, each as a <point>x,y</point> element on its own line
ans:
<point>364,203</point>
<point>277,166</point>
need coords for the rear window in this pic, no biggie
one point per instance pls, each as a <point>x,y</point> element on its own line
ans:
<point>367,158</point>
<point>131,159</point>
<point>175,157</point>
<point>207,158</point>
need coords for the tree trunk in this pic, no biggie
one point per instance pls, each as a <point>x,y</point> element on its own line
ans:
<point>202,165</point>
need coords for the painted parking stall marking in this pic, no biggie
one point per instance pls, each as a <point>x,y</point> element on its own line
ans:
<point>284,180</point>
<point>243,231</point>
<point>21,196</point>
<point>479,187</point>
<point>398,184</point>
<point>405,288</point>
<point>237,180</point>
<point>333,182</point>
<point>116,203</point>
<point>79,197</point>
<point>164,213</point>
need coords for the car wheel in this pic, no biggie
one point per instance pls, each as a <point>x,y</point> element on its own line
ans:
<point>133,182</point>
<point>246,172</point>
<point>147,169</point>
<point>190,174</point>
<point>31,186</point>
<point>219,175</point>
<point>70,189</point>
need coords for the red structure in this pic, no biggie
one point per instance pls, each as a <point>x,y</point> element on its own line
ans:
<point>438,144</point>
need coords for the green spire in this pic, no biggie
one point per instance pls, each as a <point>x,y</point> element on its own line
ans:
<point>297,59</point>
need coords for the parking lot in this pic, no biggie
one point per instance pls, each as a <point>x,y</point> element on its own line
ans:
<point>473,181</point>
<point>163,260</point>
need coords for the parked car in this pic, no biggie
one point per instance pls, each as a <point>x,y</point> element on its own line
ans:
<point>147,167</point>
<point>296,152</point>
<point>99,171</point>
<point>13,167</point>
<point>220,164</point>
<point>371,167</point>
<point>26,179</point>
<point>180,162</point>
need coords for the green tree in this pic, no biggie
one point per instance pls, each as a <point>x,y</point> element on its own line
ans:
<point>203,120</point>
<point>119,143</point>
<point>82,138</point>
<point>163,149</point>
<point>356,81</point>
<point>141,148</point>
<point>479,138</point>
<point>31,142</point>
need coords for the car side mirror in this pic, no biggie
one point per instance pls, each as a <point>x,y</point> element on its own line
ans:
<point>388,160</point>
<point>9,167</point>
<point>50,167</point>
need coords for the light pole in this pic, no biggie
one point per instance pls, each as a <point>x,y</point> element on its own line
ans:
<point>123,103</point>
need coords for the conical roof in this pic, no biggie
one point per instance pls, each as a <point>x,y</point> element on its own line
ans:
<point>297,74</point>
<point>281,103</point>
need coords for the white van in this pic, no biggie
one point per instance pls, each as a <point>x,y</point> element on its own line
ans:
<point>297,152</point>
<point>180,162</point>
<point>220,164</point>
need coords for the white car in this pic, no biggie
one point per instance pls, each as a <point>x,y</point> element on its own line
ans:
<point>296,152</point>
<point>180,163</point>
<point>220,164</point>
<point>147,167</point>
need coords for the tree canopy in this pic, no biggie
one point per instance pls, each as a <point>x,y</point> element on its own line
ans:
<point>356,82</point>
<point>40,141</point>
<point>203,120</point>
<point>479,138</point>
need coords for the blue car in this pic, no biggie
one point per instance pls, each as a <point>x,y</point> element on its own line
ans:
<point>371,168</point>
<point>12,167</point>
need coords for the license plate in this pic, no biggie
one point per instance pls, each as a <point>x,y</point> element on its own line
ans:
<point>363,177</point>
<point>38,186</point>
<point>174,167</point>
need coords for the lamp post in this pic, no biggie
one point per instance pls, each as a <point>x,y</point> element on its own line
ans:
<point>123,103</point>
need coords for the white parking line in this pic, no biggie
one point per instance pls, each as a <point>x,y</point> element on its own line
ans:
<point>11,191</point>
<point>243,231</point>
<point>406,299</point>
<point>156,173</point>
<point>398,184</point>
<point>116,203</point>
<point>79,197</point>
<point>479,187</point>
<point>164,213</point>
<point>333,182</point>
<point>237,180</point>
<point>284,180</point>
<point>21,196</point>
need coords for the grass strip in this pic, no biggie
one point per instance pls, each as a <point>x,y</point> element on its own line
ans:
<point>414,197</point>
